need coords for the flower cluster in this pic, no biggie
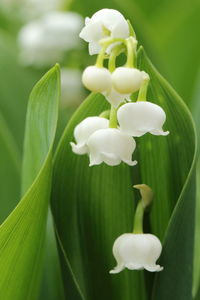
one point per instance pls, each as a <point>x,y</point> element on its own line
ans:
<point>112,141</point>
<point>109,137</point>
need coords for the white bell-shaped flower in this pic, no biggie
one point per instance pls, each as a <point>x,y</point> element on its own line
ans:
<point>111,146</point>
<point>84,130</point>
<point>115,98</point>
<point>104,23</point>
<point>127,80</point>
<point>141,117</point>
<point>136,252</point>
<point>96,79</point>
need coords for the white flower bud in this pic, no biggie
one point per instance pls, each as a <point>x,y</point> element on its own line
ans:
<point>136,252</point>
<point>127,80</point>
<point>84,130</point>
<point>141,117</point>
<point>96,79</point>
<point>111,146</point>
<point>104,23</point>
<point>115,98</point>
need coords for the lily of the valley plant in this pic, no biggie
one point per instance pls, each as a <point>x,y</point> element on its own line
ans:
<point>109,137</point>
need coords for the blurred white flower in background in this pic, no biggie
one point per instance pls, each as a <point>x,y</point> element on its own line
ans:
<point>44,41</point>
<point>103,24</point>
<point>9,5</point>
<point>35,8</point>
<point>71,88</point>
<point>30,9</point>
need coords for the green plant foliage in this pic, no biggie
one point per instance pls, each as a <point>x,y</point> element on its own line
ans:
<point>172,177</point>
<point>10,161</point>
<point>94,205</point>
<point>22,234</point>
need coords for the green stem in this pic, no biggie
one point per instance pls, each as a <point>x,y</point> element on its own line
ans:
<point>130,63</point>
<point>113,117</point>
<point>138,220</point>
<point>105,43</point>
<point>112,59</point>
<point>100,57</point>
<point>142,95</point>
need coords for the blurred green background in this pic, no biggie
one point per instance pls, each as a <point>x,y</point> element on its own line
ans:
<point>169,32</point>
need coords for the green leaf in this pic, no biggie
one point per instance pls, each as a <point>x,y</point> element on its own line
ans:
<point>196,274</point>
<point>86,204</point>
<point>94,205</point>
<point>168,166</point>
<point>22,234</point>
<point>52,285</point>
<point>10,162</point>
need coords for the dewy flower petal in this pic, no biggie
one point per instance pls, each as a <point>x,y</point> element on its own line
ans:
<point>111,146</point>
<point>136,252</point>
<point>83,131</point>
<point>104,23</point>
<point>115,98</point>
<point>141,117</point>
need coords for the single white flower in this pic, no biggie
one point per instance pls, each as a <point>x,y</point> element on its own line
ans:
<point>71,87</point>
<point>84,130</point>
<point>136,252</point>
<point>111,146</point>
<point>103,24</point>
<point>44,41</point>
<point>115,98</point>
<point>96,79</point>
<point>127,80</point>
<point>141,117</point>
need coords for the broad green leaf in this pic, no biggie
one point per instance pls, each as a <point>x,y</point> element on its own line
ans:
<point>196,275</point>
<point>22,234</point>
<point>52,285</point>
<point>92,206</point>
<point>168,166</point>
<point>87,205</point>
<point>10,162</point>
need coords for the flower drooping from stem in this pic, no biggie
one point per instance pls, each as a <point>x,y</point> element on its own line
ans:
<point>138,250</point>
